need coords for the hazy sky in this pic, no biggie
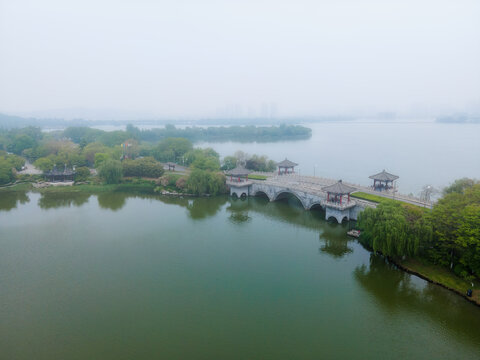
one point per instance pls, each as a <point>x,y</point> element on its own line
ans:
<point>207,58</point>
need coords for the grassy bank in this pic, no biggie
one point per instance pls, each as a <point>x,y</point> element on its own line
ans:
<point>379,199</point>
<point>257,177</point>
<point>441,276</point>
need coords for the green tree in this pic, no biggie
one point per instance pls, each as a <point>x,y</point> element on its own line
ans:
<point>6,173</point>
<point>20,143</point>
<point>229,163</point>
<point>111,171</point>
<point>82,173</point>
<point>172,149</point>
<point>392,229</point>
<point>44,164</point>
<point>459,186</point>
<point>197,182</point>
<point>100,158</point>
<point>206,163</point>
<point>145,167</point>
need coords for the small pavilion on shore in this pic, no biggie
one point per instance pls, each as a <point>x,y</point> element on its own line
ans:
<point>336,192</point>
<point>171,166</point>
<point>286,167</point>
<point>383,181</point>
<point>56,175</point>
<point>239,174</point>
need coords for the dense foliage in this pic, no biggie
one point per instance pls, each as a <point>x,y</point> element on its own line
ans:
<point>111,171</point>
<point>143,167</point>
<point>221,133</point>
<point>205,182</point>
<point>9,163</point>
<point>252,162</point>
<point>448,235</point>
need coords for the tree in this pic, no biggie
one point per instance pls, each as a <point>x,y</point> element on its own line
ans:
<point>6,173</point>
<point>172,149</point>
<point>82,173</point>
<point>468,238</point>
<point>206,163</point>
<point>181,183</point>
<point>146,167</point>
<point>44,164</point>
<point>459,186</point>
<point>20,143</point>
<point>111,171</point>
<point>393,229</point>
<point>229,163</point>
<point>91,149</point>
<point>216,184</point>
<point>100,158</point>
<point>197,182</point>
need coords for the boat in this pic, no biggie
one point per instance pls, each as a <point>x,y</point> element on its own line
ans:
<point>354,233</point>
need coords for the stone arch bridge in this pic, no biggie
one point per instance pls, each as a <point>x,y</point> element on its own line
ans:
<point>309,193</point>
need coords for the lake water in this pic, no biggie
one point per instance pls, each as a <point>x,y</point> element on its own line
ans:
<point>123,277</point>
<point>421,153</point>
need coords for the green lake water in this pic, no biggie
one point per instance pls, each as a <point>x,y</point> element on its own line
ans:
<point>115,276</point>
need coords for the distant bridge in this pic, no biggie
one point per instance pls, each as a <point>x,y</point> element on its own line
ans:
<point>310,192</point>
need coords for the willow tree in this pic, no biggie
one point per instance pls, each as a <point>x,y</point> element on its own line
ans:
<point>393,229</point>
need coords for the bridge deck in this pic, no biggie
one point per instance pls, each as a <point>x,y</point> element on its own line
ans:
<point>314,185</point>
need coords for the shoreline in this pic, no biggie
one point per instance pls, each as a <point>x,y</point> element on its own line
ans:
<point>473,299</point>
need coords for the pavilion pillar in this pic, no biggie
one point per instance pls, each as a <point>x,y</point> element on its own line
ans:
<point>341,199</point>
<point>348,197</point>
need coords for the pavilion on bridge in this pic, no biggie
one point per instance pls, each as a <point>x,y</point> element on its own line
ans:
<point>337,191</point>
<point>238,175</point>
<point>56,175</point>
<point>383,181</point>
<point>286,167</point>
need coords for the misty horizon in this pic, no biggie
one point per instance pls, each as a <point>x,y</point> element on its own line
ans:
<point>267,59</point>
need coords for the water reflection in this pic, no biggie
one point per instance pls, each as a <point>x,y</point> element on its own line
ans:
<point>396,293</point>
<point>203,207</point>
<point>10,199</point>
<point>56,200</point>
<point>112,201</point>
<point>335,241</point>
<point>279,210</point>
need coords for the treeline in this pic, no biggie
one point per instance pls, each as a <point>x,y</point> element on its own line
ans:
<point>118,155</point>
<point>194,134</point>
<point>448,235</point>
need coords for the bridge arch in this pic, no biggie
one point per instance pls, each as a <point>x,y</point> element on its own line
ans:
<point>262,194</point>
<point>279,195</point>
<point>338,218</point>
<point>316,205</point>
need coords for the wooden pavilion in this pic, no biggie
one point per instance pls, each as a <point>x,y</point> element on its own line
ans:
<point>56,175</point>
<point>383,180</point>
<point>239,174</point>
<point>336,192</point>
<point>286,167</point>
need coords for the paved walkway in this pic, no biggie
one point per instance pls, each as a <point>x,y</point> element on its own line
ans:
<point>314,185</point>
<point>30,170</point>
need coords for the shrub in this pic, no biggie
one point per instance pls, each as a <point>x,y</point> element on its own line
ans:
<point>111,171</point>
<point>144,167</point>
<point>181,183</point>
<point>82,173</point>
